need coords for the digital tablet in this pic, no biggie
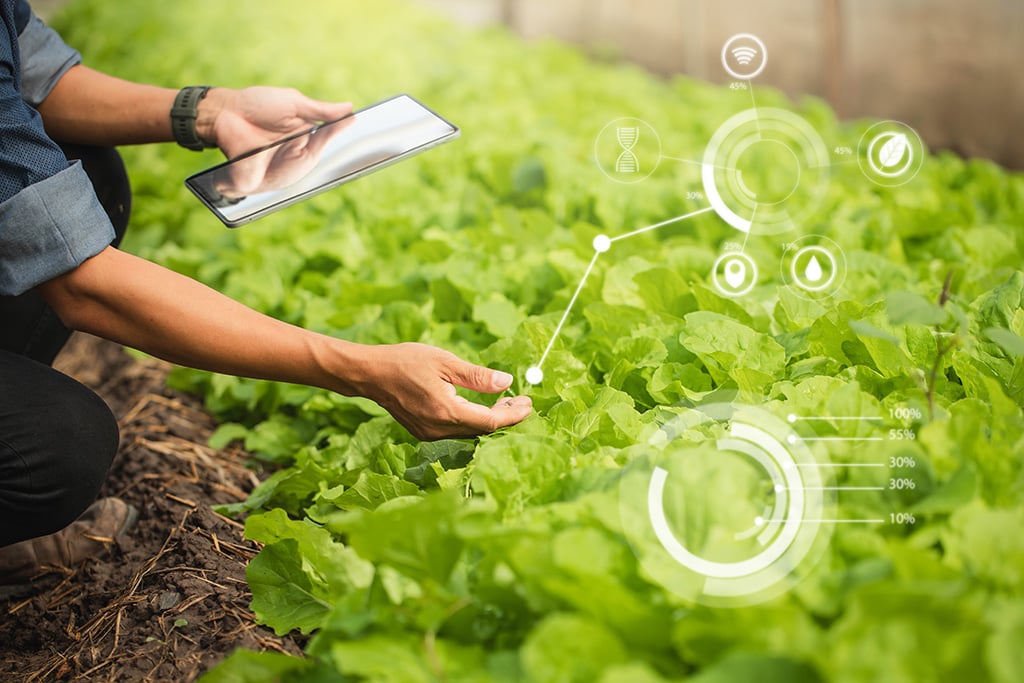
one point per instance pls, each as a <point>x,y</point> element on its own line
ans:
<point>303,165</point>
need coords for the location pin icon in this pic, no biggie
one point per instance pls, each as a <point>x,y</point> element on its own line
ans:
<point>735,272</point>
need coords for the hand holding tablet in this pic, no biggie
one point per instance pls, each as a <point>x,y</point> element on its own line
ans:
<point>300,166</point>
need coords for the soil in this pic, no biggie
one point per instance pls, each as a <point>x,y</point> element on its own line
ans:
<point>170,600</point>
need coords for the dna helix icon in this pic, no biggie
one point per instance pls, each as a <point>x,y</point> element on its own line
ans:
<point>627,162</point>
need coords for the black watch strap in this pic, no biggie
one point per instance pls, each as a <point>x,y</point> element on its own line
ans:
<point>183,117</point>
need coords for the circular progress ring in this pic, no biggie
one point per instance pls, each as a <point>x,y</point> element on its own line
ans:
<point>796,182</point>
<point>786,538</point>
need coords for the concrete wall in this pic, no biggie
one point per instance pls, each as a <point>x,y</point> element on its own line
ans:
<point>949,68</point>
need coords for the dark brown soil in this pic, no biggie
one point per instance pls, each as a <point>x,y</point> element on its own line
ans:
<point>171,600</point>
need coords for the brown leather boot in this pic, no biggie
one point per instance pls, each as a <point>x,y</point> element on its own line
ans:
<point>100,525</point>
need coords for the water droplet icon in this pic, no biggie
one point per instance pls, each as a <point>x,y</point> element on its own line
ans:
<point>813,272</point>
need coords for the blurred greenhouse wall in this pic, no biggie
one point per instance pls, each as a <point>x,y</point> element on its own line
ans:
<point>949,68</point>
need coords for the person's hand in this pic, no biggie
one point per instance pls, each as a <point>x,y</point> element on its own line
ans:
<point>137,303</point>
<point>277,167</point>
<point>239,121</point>
<point>416,384</point>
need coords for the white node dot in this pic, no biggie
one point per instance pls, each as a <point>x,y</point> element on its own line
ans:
<point>534,375</point>
<point>791,418</point>
<point>758,521</point>
<point>779,488</point>
<point>602,243</point>
<point>791,439</point>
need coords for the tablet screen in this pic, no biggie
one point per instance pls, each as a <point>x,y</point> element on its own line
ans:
<point>301,166</point>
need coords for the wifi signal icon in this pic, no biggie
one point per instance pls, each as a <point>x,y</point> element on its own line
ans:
<point>744,55</point>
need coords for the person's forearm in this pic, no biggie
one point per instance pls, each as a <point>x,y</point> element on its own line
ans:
<point>140,304</point>
<point>90,107</point>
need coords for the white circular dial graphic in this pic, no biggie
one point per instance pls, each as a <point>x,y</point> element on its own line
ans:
<point>727,507</point>
<point>764,169</point>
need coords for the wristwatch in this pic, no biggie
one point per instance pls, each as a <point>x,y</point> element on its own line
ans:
<point>183,117</point>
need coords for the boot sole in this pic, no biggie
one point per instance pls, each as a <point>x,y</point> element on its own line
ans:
<point>129,522</point>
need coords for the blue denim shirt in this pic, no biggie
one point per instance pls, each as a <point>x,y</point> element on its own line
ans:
<point>50,219</point>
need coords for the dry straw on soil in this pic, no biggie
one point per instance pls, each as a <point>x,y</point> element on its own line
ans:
<point>171,600</point>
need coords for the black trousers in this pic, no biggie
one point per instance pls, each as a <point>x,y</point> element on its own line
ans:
<point>57,438</point>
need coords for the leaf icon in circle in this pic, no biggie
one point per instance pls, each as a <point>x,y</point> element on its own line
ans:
<point>893,150</point>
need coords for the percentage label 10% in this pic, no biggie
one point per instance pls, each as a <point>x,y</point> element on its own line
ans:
<point>902,518</point>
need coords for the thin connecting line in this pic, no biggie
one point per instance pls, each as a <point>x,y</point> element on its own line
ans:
<point>839,464</point>
<point>568,308</point>
<point>662,224</point>
<point>696,163</point>
<point>847,521</point>
<point>746,235</point>
<point>844,162</point>
<point>844,438</point>
<point>831,521</point>
<point>753,105</point>
<point>844,488</point>
<point>794,418</point>
<point>601,244</point>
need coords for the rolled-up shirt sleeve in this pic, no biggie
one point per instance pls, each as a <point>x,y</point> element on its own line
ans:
<point>45,58</point>
<point>50,218</point>
<point>50,228</point>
